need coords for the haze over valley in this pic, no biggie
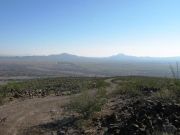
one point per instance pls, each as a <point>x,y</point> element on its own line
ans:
<point>72,65</point>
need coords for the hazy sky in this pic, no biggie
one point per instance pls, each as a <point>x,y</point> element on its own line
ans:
<point>90,27</point>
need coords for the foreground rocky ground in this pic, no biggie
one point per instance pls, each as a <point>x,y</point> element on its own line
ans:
<point>123,114</point>
<point>142,117</point>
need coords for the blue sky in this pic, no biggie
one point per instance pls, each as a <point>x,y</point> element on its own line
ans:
<point>90,27</point>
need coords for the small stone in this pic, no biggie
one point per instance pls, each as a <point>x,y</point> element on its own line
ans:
<point>61,132</point>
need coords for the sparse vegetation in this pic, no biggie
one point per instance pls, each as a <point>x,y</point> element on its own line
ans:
<point>137,105</point>
<point>49,86</point>
<point>1,99</point>
<point>175,71</point>
<point>88,103</point>
<point>165,94</point>
<point>159,88</point>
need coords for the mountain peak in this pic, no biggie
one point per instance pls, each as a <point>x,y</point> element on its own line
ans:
<point>65,54</point>
<point>120,54</point>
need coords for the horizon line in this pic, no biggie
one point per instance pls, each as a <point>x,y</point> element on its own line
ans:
<point>65,53</point>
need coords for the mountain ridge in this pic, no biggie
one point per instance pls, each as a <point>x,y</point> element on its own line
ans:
<point>72,65</point>
<point>72,57</point>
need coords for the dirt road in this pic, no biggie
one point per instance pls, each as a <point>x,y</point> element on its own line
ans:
<point>18,115</point>
<point>112,85</point>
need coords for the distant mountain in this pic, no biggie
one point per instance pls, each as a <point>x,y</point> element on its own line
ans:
<point>72,65</point>
<point>123,57</point>
<point>58,57</point>
<point>74,58</point>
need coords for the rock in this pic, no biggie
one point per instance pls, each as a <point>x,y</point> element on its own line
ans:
<point>143,118</point>
<point>61,132</point>
<point>169,128</point>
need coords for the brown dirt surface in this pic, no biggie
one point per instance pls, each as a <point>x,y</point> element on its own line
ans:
<point>22,114</point>
<point>16,116</point>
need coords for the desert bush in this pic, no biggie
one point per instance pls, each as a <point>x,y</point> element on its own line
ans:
<point>128,88</point>
<point>165,94</point>
<point>175,71</point>
<point>56,86</point>
<point>3,94</point>
<point>87,103</point>
<point>174,85</point>
<point>162,88</point>
<point>1,100</point>
<point>101,83</point>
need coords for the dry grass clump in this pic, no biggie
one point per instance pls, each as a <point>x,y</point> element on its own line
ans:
<point>87,103</point>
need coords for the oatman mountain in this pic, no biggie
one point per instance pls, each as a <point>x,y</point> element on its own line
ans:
<point>72,65</point>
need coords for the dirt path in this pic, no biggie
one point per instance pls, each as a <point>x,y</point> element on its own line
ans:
<point>27,113</point>
<point>112,85</point>
<point>22,114</point>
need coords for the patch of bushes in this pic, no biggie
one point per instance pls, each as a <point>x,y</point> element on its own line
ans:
<point>3,94</point>
<point>165,94</point>
<point>162,88</point>
<point>46,86</point>
<point>170,92</point>
<point>101,83</point>
<point>128,88</point>
<point>1,100</point>
<point>87,103</point>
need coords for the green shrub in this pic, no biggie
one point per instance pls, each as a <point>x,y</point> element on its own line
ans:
<point>128,88</point>
<point>175,71</point>
<point>88,102</point>
<point>1,100</point>
<point>165,94</point>
<point>3,94</point>
<point>101,83</point>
